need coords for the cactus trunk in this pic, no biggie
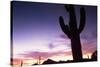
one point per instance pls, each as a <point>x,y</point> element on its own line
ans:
<point>76,48</point>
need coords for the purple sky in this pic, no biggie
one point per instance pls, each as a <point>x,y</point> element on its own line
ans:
<point>36,29</point>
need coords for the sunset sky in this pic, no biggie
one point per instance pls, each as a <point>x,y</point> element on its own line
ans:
<point>36,31</point>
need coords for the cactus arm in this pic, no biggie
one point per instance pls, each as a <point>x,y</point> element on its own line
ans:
<point>64,27</point>
<point>82,20</point>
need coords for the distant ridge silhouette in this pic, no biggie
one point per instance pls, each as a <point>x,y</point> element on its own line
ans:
<point>94,56</point>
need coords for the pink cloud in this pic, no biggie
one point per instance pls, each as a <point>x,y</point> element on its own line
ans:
<point>44,55</point>
<point>89,46</point>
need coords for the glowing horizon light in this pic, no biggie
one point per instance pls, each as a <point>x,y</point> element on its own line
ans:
<point>55,58</point>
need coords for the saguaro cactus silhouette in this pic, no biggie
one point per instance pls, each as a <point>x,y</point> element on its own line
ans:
<point>39,60</point>
<point>72,31</point>
<point>21,63</point>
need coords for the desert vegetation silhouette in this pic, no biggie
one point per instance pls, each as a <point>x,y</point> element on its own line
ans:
<point>73,31</point>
